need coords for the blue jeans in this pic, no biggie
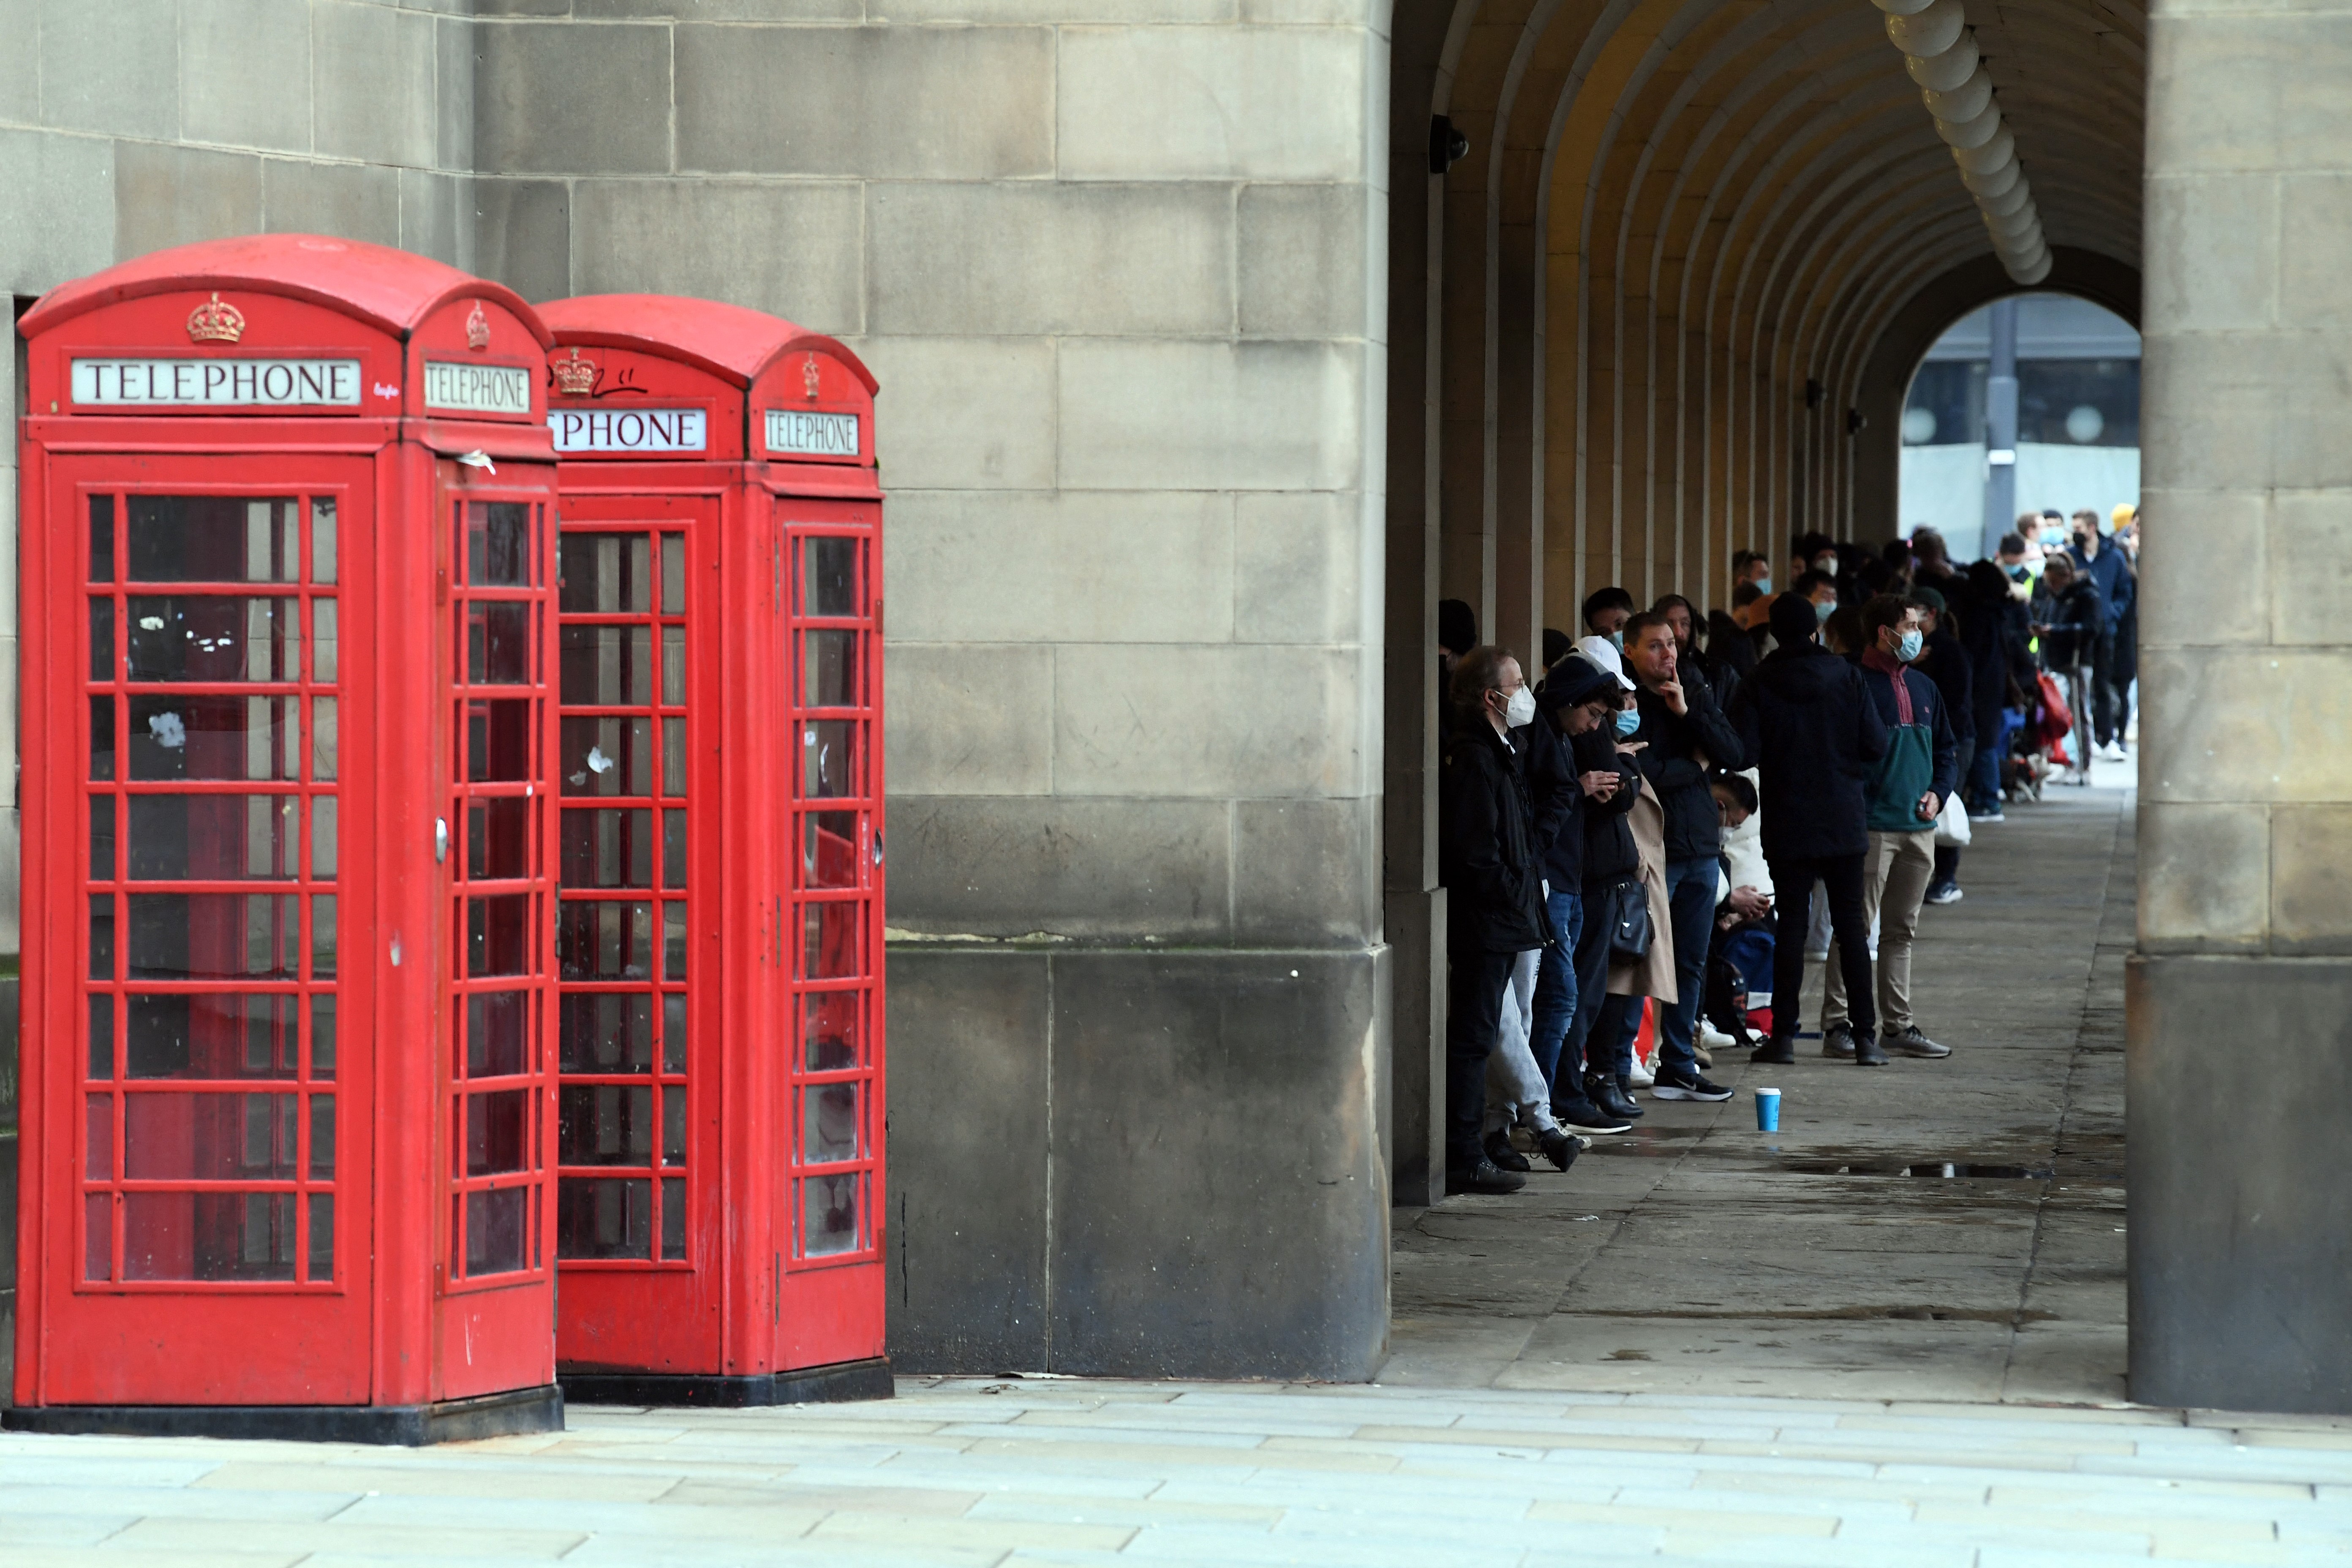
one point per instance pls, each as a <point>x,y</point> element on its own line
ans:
<point>1555,989</point>
<point>1691,887</point>
<point>1984,773</point>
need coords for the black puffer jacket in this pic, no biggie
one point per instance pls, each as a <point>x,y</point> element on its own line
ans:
<point>1608,852</point>
<point>1559,802</point>
<point>1485,847</point>
<point>1694,825</point>
<point>1946,663</point>
<point>1813,736</point>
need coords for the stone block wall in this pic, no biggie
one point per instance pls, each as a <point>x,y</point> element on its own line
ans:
<point>1118,267</point>
<point>2239,1039</point>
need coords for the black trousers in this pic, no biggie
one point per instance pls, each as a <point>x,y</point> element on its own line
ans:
<point>1840,878</point>
<point>2107,695</point>
<point>1474,1009</point>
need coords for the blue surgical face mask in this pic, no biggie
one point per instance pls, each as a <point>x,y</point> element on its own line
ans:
<point>1617,641</point>
<point>1764,584</point>
<point>1825,609</point>
<point>2054,537</point>
<point>1908,649</point>
<point>1628,721</point>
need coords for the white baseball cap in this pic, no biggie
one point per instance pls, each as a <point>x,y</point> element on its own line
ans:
<point>1600,651</point>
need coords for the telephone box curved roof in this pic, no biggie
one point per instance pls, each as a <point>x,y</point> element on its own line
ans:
<point>390,290</point>
<point>729,341</point>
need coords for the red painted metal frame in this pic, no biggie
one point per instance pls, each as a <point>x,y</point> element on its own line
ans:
<point>389,1328</point>
<point>754,1300</point>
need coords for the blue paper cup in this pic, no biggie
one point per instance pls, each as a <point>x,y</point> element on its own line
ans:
<point>1767,1111</point>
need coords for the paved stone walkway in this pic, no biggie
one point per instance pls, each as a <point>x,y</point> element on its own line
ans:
<point>1699,1255</point>
<point>997,1472</point>
<point>1700,1345</point>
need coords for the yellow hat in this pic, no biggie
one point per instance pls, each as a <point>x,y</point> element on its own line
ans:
<point>2123,514</point>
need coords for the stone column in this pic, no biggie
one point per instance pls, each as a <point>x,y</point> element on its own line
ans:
<point>2239,1077</point>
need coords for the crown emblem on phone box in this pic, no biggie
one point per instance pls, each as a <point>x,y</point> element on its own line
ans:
<point>574,377</point>
<point>215,322</point>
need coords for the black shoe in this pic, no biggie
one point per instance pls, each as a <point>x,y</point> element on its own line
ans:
<point>1694,1087</point>
<point>1837,1040</point>
<point>1588,1118</point>
<point>1779,1050</point>
<point>1561,1148</point>
<point>1498,1149</point>
<point>1944,893</point>
<point>1867,1051</point>
<point>1601,1089</point>
<point>1483,1177</point>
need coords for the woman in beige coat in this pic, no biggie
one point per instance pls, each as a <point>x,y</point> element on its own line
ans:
<point>1653,973</point>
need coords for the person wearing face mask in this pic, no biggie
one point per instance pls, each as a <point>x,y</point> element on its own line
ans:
<point>1494,896</point>
<point>2070,622</point>
<point>1519,1090</point>
<point>1578,777</point>
<point>1689,739</point>
<point>1752,566</point>
<point>1814,737</point>
<point>2112,575</point>
<point>1946,662</point>
<point>1818,589</point>
<point>1606,611</point>
<point>1908,785</point>
<point>1609,857</point>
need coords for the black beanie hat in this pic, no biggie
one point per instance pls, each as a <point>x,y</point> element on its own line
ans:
<point>1576,679</point>
<point>1794,619</point>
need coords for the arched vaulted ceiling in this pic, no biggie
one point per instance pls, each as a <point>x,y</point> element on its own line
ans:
<point>1695,243</point>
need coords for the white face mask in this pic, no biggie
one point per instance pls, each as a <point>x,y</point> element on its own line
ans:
<point>1521,709</point>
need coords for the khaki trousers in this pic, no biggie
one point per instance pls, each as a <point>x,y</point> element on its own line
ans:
<point>1895,877</point>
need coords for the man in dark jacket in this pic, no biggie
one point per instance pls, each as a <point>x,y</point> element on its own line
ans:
<point>1609,859</point>
<point>1495,901</point>
<point>1813,735</point>
<point>1578,700</point>
<point>2070,619</point>
<point>1688,737</point>
<point>2098,558</point>
<point>1908,788</point>
<point>1995,627</point>
<point>2069,616</point>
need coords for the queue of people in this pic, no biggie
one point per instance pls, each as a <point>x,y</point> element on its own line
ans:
<point>1647,824</point>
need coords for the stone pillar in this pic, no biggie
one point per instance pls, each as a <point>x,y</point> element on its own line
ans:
<point>2239,1053</point>
<point>1414,905</point>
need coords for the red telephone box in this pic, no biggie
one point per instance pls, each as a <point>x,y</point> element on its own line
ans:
<point>289,851</point>
<point>719,1208</point>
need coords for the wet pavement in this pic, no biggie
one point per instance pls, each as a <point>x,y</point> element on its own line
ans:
<point>1944,1230</point>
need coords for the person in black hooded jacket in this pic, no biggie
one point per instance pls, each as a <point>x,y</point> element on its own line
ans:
<point>1577,776</point>
<point>1813,734</point>
<point>1688,739</point>
<point>1487,861</point>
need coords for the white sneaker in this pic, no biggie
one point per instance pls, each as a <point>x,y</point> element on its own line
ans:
<point>2114,753</point>
<point>1712,1038</point>
<point>1641,1076</point>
